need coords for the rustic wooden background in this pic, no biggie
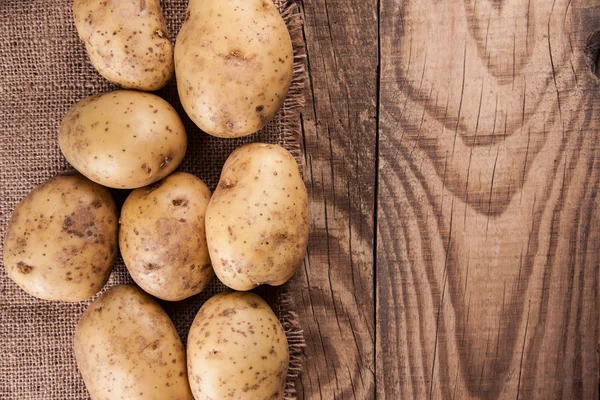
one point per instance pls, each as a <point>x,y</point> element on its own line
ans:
<point>452,152</point>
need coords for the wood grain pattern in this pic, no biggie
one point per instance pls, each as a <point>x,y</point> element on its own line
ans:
<point>488,219</point>
<point>336,286</point>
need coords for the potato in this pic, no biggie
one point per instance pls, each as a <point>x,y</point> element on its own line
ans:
<point>234,65</point>
<point>61,241</point>
<point>237,349</point>
<point>126,347</point>
<point>257,219</point>
<point>127,41</point>
<point>123,139</point>
<point>162,237</point>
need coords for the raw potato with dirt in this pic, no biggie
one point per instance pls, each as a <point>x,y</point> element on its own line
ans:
<point>234,65</point>
<point>257,219</point>
<point>237,349</point>
<point>162,237</point>
<point>127,41</point>
<point>123,139</point>
<point>126,347</point>
<point>61,241</point>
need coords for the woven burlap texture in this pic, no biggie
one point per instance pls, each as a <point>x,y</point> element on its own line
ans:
<point>44,72</point>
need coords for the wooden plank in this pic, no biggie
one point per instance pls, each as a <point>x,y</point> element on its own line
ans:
<point>488,217</point>
<point>336,289</point>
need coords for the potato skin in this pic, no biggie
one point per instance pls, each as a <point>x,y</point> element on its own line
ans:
<point>126,347</point>
<point>237,349</point>
<point>123,139</point>
<point>61,240</point>
<point>126,41</point>
<point>257,219</point>
<point>234,65</point>
<point>162,237</point>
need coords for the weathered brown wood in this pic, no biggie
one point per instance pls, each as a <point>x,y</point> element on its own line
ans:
<point>488,229</point>
<point>336,287</point>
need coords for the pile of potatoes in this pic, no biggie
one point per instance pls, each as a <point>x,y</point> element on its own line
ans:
<point>233,61</point>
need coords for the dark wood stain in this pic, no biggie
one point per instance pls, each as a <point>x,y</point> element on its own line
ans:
<point>339,126</point>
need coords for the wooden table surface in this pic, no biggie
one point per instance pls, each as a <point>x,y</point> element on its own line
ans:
<point>452,152</point>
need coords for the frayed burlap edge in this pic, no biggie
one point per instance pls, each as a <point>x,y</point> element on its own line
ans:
<point>295,99</point>
<point>291,130</point>
<point>296,344</point>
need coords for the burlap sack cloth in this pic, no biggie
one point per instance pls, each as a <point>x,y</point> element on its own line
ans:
<point>44,71</point>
